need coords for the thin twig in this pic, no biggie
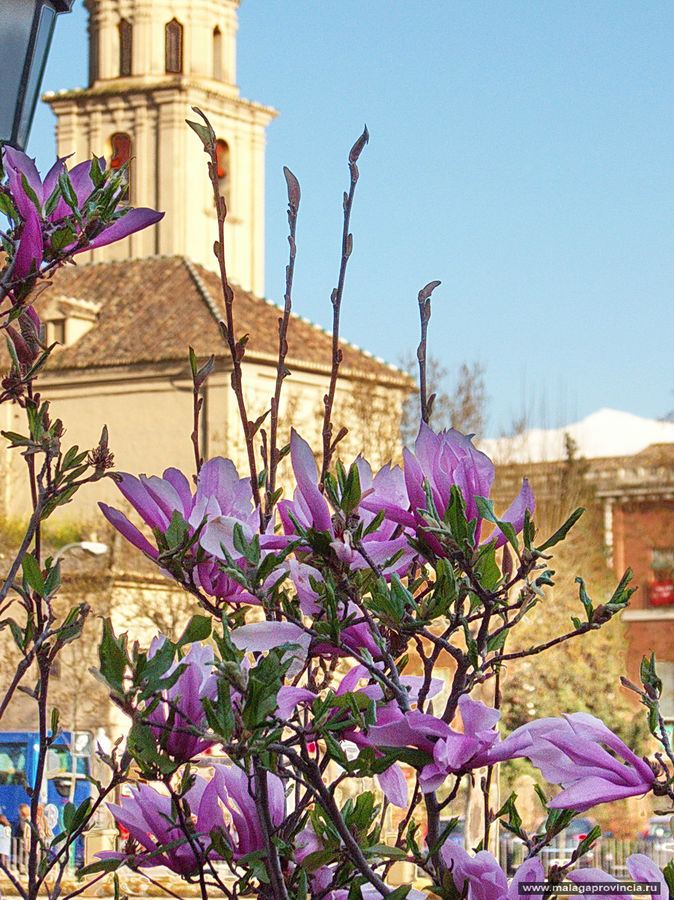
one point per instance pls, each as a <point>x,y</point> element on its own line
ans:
<point>336,300</point>
<point>425,315</point>
<point>236,348</point>
<point>283,322</point>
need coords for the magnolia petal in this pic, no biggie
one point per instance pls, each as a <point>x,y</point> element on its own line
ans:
<point>289,697</point>
<point>595,876</point>
<point>515,513</point>
<point>260,636</point>
<point>306,475</point>
<point>642,868</point>
<point>134,220</point>
<point>119,521</point>
<point>531,870</point>
<point>394,785</point>
<point>588,792</point>
<point>30,252</point>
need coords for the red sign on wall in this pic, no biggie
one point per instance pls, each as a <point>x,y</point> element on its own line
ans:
<point>661,593</point>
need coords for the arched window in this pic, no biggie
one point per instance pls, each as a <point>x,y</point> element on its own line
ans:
<point>217,53</point>
<point>120,146</point>
<point>174,46</point>
<point>222,154</point>
<point>125,33</point>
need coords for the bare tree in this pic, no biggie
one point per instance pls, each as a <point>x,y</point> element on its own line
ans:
<point>463,407</point>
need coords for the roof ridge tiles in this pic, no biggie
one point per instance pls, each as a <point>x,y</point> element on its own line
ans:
<point>204,293</point>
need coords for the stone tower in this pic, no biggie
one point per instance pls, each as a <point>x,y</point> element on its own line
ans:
<point>150,62</point>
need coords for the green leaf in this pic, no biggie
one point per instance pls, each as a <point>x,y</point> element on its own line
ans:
<point>352,492</point>
<point>485,509</point>
<point>96,174</point>
<point>68,192</point>
<point>444,834</point>
<point>8,208</point>
<point>63,238</point>
<point>668,872</point>
<point>587,842</point>
<point>206,135</point>
<point>32,576</point>
<point>103,865</point>
<point>30,193</point>
<point>562,531</point>
<point>400,892</point>
<point>112,658</point>
<point>386,852</point>
<point>496,641</point>
<point>142,745</point>
<point>584,599</point>
<point>198,629</point>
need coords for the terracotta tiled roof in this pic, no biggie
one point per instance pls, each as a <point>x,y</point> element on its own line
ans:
<point>152,309</point>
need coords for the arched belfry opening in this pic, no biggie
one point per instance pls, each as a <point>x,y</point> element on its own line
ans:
<point>224,170</point>
<point>125,30</point>
<point>173,33</point>
<point>218,68</point>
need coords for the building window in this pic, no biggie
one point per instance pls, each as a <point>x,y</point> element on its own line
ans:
<point>661,583</point>
<point>217,54</point>
<point>120,145</point>
<point>174,46</point>
<point>224,179</point>
<point>125,33</point>
<point>56,331</point>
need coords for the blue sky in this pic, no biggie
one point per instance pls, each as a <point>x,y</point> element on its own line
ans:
<point>520,152</point>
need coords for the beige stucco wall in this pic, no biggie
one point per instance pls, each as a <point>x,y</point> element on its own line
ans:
<point>148,412</point>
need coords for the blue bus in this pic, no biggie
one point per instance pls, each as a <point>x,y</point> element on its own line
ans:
<point>66,772</point>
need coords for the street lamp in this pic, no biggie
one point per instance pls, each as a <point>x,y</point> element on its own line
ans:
<point>93,548</point>
<point>26,28</point>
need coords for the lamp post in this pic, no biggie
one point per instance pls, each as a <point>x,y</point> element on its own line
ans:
<point>26,28</point>
<point>93,548</point>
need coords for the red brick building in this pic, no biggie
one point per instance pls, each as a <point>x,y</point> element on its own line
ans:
<point>637,494</point>
<point>633,505</point>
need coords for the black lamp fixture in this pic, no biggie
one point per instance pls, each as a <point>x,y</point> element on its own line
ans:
<point>26,28</point>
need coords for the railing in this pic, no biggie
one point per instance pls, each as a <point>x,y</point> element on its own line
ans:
<point>608,853</point>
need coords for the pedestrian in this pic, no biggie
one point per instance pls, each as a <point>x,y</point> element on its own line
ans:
<point>23,832</point>
<point>44,832</point>
<point>5,841</point>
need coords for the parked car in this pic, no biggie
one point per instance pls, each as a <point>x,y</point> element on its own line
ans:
<point>659,828</point>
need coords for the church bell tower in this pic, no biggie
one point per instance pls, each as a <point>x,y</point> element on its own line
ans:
<point>150,62</point>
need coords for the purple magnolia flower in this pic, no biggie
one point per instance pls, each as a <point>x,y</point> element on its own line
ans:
<point>256,637</point>
<point>310,509</point>
<point>179,717</point>
<point>482,878</point>
<point>444,460</point>
<point>150,819</point>
<point>37,226</point>
<point>453,752</point>
<point>221,497</point>
<point>354,637</point>
<point>569,751</point>
<point>235,789</point>
<point>322,878</point>
<point>640,867</point>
